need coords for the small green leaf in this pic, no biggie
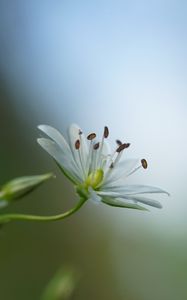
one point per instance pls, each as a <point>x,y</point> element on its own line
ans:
<point>19,187</point>
<point>120,203</point>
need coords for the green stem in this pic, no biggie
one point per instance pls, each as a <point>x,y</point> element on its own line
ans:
<point>10,217</point>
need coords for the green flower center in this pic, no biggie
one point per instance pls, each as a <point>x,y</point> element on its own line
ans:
<point>94,179</point>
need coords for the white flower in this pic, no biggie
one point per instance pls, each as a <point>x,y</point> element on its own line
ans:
<point>97,173</point>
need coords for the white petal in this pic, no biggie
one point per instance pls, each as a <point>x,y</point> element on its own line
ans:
<point>145,200</point>
<point>106,148</point>
<point>121,203</point>
<point>122,169</point>
<point>84,148</point>
<point>56,152</point>
<point>56,136</point>
<point>94,196</point>
<point>94,159</point>
<point>132,190</point>
<point>109,194</point>
<point>105,156</point>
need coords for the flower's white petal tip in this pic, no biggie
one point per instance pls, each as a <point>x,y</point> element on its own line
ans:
<point>47,129</point>
<point>163,191</point>
<point>42,127</point>
<point>74,126</point>
<point>74,129</point>
<point>41,141</point>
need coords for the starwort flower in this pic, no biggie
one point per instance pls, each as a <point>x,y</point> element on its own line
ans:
<point>97,172</point>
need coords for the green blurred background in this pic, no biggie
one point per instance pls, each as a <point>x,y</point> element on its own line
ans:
<point>115,63</point>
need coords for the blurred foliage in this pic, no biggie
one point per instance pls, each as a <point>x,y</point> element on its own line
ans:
<point>62,285</point>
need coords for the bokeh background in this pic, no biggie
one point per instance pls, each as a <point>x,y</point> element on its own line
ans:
<point>116,63</point>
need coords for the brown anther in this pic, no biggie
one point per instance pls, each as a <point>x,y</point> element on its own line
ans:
<point>106,132</point>
<point>144,163</point>
<point>122,147</point>
<point>112,165</point>
<point>96,146</point>
<point>91,136</point>
<point>119,142</point>
<point>127,145</point>
<point>77,144</point>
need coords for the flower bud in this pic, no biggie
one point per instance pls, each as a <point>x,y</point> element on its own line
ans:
<point>19,187</point>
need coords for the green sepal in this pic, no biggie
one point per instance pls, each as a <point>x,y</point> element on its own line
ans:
<point>119,203</point>
<point>82,192</point>
<point>19,187</point>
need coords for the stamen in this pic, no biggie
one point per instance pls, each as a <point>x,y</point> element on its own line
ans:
<point>93,162</point>
<point>113,164</point>
<point>118,157</point>
<point>100,158</point>
<point>77,147</point>
<point>115,159</point>
<point>119,142</point>
<point>122,147</point>
<point>96,146</point>
<point>77,144</point>
<point>91,136</point>
<point>144,163</point>
<point>106,132</point>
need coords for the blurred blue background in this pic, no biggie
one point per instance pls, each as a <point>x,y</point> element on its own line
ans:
<point>116,63</point>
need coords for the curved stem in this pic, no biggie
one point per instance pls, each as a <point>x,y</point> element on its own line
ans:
<point>10,217</point>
